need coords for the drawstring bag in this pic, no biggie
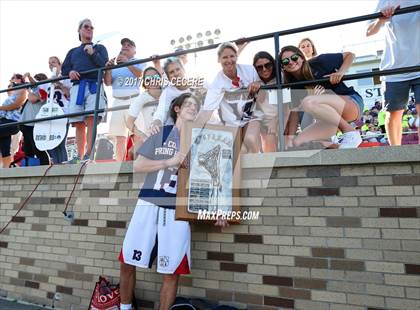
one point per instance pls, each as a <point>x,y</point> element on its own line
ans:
<point>105,296</point>
<point>182,303</point>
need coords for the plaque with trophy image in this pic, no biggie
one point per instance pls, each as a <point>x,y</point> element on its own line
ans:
<point>210,182</point>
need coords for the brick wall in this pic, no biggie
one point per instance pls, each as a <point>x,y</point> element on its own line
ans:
<point>337,230</point>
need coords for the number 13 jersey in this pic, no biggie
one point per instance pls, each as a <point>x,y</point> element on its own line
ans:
<point>159,187</point>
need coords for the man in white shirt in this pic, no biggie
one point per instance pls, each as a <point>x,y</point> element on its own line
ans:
<point>125,83</point>
<point>402,42</point>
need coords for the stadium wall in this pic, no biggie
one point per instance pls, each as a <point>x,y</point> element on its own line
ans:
<point>337,230</point>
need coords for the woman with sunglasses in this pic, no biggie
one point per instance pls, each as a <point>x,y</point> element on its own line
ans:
<point>10,113</point>
<point>264,63</point>
<point>307,47</point>
<point>332,104</point>
<point>140,113</point>
<point>178,85</point>
<point>233,94</point>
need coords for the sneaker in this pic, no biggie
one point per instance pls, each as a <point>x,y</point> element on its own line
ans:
<point>351,140</point>
<point>75,160</point>
<point>336,140</point>
<point>86,157</point>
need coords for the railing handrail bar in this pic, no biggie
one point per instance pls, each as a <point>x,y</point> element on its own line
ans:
<point>268,87</point>
<point>51,118</point>
<point>348,77</point>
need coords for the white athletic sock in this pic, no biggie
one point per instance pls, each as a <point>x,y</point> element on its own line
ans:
<point>125,307</point>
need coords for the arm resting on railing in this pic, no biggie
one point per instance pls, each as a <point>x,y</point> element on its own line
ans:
<point>20,100</point>
<point>375,26</point>
<point>336,77</point>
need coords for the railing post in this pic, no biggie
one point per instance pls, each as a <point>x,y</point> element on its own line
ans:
<point>95,114</point>
<point>280,109</point>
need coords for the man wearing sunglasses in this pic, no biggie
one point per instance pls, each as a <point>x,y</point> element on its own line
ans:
<point>125,83</point>
<point>85,57</point>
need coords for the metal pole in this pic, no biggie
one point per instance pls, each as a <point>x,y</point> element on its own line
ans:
<point>280,110</point>
<point>95,114</point>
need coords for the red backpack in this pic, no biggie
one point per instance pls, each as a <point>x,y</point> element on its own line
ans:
<point>105,296</point>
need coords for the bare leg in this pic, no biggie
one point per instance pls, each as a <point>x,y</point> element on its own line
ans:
<point>269,142</point>
<point>89,125</point>
<point>6,161</point>
<point>333,109</point>
<point>137,143</point>
<point>317,131</point>
<point>168,291</point>
<point>121,143</point>
<point>252,139</point>
<point>393,126</point>
<point>291,127</point>
<point>80,138</point>
<point>127,282</point>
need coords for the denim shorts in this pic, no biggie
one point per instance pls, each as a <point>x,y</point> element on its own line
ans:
<point>396,94</point>
<point>358,100</point>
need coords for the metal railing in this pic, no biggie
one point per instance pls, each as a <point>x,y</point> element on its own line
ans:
<point>279,85</point>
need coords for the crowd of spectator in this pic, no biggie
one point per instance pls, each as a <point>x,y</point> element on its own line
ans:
<point>372,124</point>
<point>316,113</point>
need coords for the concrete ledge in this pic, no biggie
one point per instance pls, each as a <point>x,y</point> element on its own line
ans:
<point>69,170</point>
<point>384,155</point>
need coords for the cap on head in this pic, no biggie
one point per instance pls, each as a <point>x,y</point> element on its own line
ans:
<point>127,40</point>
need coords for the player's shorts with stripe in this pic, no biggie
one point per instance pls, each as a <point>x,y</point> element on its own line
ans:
<point>154,233</point>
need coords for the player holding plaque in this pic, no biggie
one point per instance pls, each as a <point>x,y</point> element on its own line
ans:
<point>154,215</point>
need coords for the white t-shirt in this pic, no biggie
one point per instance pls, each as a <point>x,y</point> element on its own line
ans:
<point>235,107</point>
<point>169,93</point>
<point>60,98</point>
<point>402,41</point>
<point>143,110</point>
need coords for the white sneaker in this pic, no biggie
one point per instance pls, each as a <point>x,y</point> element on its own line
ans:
<point>351,140</point>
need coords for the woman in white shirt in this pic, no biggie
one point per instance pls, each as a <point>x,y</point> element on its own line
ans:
<point>236,106</point>
<point>264,63</point>
<point>174,70</point>
<point>141,112</point>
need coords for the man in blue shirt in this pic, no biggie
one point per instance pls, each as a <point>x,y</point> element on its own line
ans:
<point>85,57</point>
<point>125,83</point>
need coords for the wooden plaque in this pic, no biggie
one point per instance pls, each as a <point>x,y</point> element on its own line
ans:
<point>210,179</point>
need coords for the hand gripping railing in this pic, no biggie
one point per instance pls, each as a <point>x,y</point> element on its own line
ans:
<point>278,85</point>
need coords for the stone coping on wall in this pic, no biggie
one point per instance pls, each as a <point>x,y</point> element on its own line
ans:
<point>387,154</point>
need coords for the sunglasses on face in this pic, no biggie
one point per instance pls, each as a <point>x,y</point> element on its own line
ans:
<point>87,27</point>
<point>267,66</point>
<point>287,60</point>
<point>152,76</point>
